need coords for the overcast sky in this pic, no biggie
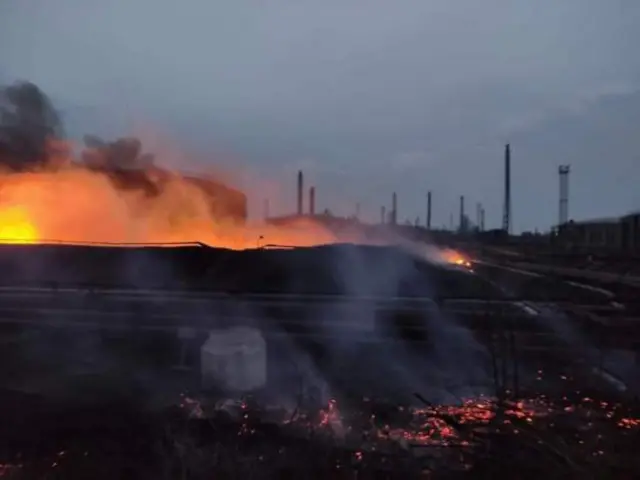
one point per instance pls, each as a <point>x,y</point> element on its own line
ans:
<point>367,96</point>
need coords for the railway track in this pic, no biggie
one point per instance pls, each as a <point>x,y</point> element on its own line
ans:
<point>526,317</point>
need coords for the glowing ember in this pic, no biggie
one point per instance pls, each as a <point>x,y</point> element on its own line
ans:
<point>455,258</point>
<point>443,425</point>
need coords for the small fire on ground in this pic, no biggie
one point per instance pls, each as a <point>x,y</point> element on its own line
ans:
<point>460,425</point>
<point>456,258</point>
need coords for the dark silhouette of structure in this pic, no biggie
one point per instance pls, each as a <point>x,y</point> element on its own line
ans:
<point>428,218</point>
<point>300,193</point>
<point>563,209</point>
<point>506,216</point>
<point>394,209</point>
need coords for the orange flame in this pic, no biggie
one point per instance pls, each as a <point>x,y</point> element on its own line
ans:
<point>456,258</point>
<point>70,202</point>
<point>16,227</point>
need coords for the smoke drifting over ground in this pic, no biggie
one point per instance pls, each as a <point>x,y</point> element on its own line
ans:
<point>116,192</point>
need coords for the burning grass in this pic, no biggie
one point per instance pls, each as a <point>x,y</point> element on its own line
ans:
<point>572,436</point>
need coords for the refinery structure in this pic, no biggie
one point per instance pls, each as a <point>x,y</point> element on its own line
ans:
<point>144,317</point>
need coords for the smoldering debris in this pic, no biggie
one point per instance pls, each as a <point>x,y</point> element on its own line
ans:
<point>579,436</point>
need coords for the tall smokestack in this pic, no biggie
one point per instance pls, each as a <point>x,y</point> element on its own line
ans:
<point>563,214</point>
<point>383,215</point>
<point>312,201</point>
<point>482,219</point>
<point>300,192</point>
<point>428,220</point>
<point>506,215</point>
<point>462,218</point>
<point>394,209</point>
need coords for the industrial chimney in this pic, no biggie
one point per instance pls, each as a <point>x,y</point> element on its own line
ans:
<point>428,219</point>
<point>300,192</point>
<point>506,215</point>
<point>563,172</point>
<point>463,226</point>
<point>312,201</point>
<point>394,209</point>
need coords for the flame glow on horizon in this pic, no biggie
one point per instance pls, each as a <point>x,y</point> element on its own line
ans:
<point>67,202</point>
<point>16,226</point>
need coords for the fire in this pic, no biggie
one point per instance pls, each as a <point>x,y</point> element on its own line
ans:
<point>76,204</point>
<point>16,227</point>
<point>456,258</point>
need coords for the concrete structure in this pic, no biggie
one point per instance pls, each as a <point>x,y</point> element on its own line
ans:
<point>630,234</point>
<point>596,233</point>
<point>612,233</point>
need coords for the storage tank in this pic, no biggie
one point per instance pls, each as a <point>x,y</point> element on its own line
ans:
<point>234,359</point>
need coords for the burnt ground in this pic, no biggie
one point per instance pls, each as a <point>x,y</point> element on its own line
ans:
<point>135,418</point>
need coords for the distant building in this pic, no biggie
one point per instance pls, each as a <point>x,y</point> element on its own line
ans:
<point>611,233</point>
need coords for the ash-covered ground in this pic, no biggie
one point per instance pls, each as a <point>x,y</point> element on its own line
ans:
<point>477,390</point>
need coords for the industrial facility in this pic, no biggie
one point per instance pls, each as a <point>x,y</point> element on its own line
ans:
<point>620,234</point>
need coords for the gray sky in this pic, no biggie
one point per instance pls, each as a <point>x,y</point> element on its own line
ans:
<point>368,96</point>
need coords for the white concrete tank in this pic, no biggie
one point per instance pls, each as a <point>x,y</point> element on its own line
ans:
<point>234,359</point>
